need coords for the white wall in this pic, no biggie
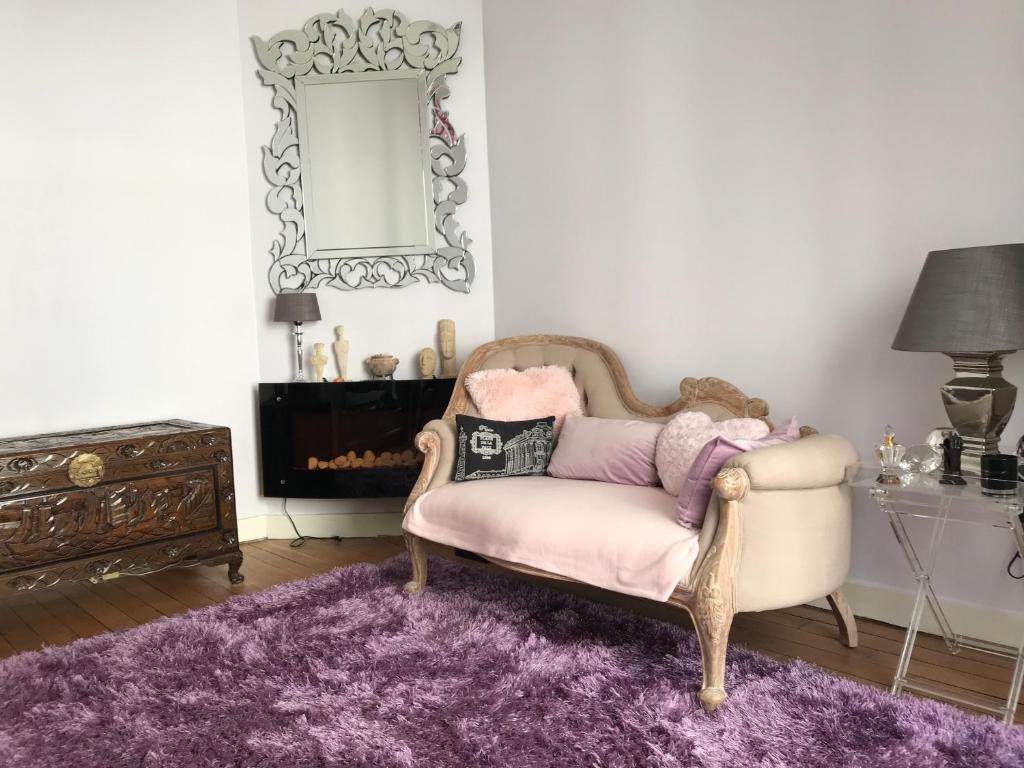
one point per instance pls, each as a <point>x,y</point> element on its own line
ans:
<point>127,292</point>
<point>397,321</point>
<point>748,190</point>
<point>136,232</point>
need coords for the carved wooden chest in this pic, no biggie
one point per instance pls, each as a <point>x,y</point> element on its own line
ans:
<point>135,499</point>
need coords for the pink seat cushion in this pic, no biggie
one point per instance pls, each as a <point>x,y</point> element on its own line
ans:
<point>687,433</point>
<point>620,537</point>
<point>505,394</point>
<point>611,450</point>
<point>697,488</point>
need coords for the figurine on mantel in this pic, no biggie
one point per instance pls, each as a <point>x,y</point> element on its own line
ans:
<point>446,332</point>
<point>889,453</point>
<point>428,363</point>
<point>382,366</point>
<point>319,361</point>
<point>341,352</point>
<point>952,448</point>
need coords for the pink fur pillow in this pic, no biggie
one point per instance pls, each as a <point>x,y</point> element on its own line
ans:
<point>505,394</point>
<point>683,437</point>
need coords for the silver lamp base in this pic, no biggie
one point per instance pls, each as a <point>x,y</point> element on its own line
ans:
<point>979,403</point>
<point>300,373</point>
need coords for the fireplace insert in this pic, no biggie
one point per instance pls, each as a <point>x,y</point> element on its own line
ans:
<point>346,440</point>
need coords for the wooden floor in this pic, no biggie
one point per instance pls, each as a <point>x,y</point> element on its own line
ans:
<point>65,613</point>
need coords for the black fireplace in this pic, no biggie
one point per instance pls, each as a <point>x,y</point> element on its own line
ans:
<point>346,440</point>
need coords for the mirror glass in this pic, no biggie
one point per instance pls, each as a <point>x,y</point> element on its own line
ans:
<point>366,174</point>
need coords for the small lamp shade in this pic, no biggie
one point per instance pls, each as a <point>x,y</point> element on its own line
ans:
<point>967,300</point>
<point>296,308</point>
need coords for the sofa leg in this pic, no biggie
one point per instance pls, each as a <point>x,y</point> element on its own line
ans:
<point>713,622</point>
<point>418,554</point>
<point>712,604</point>
<point>844,618</point>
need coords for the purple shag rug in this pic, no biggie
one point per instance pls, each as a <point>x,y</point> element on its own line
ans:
<point>479,670</point>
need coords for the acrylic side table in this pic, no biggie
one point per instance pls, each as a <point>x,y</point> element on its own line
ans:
<point>922,496</point>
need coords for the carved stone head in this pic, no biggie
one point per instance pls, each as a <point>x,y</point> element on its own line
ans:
<point>428,363</point>
<point>446,330</point>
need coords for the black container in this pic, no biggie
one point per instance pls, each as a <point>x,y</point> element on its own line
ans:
<point>998,474</point>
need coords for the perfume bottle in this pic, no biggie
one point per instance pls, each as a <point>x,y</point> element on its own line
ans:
<point>890,454</point>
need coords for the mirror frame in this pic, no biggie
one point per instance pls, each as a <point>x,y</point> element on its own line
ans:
<point>384,41</point>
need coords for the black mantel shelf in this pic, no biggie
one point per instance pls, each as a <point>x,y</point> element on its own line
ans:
<point>373,421</point>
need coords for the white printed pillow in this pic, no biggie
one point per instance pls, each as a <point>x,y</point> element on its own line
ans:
<point>683,437</point>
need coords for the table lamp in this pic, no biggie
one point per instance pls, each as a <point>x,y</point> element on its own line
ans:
<point>297,308</point>
<point>969,304</point>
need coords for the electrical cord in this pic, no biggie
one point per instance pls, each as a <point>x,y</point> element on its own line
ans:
<point>1009,568</point>
<point>1016,557</point>
<point>299,539</point>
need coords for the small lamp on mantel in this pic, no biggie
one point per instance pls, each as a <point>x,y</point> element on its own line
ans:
<point>969,304</point>
<point>297,308</point>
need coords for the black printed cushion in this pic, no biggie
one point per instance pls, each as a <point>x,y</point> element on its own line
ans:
<point>486,448</point>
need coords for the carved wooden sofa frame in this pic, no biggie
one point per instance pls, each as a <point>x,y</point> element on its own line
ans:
<point>710,594</point>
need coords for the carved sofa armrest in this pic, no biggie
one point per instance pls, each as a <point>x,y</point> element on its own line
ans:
<point>437,441</point>
<point>818,461</point>
<point>794,516</point>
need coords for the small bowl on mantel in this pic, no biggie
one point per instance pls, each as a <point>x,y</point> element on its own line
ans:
<point>382,366</point>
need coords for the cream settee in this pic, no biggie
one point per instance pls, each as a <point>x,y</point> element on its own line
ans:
<point>777,531</point>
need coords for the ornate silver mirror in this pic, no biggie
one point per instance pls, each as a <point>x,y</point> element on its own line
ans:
<point>364,165</point>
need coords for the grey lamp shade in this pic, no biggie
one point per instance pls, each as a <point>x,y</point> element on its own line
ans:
<point>296,308</point>
<point>967,300</point>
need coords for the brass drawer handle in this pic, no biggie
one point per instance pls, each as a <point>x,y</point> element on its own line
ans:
<point>86,470</point>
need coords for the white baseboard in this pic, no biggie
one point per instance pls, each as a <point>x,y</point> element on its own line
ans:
<point>252,528</point>
<point>893,606</point>
<point>338,524</point>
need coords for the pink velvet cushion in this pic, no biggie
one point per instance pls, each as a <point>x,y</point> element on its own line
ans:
<point>505,394</point>
<point>609,450</point>
<point>685,436</point>
<point>696,491</point>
